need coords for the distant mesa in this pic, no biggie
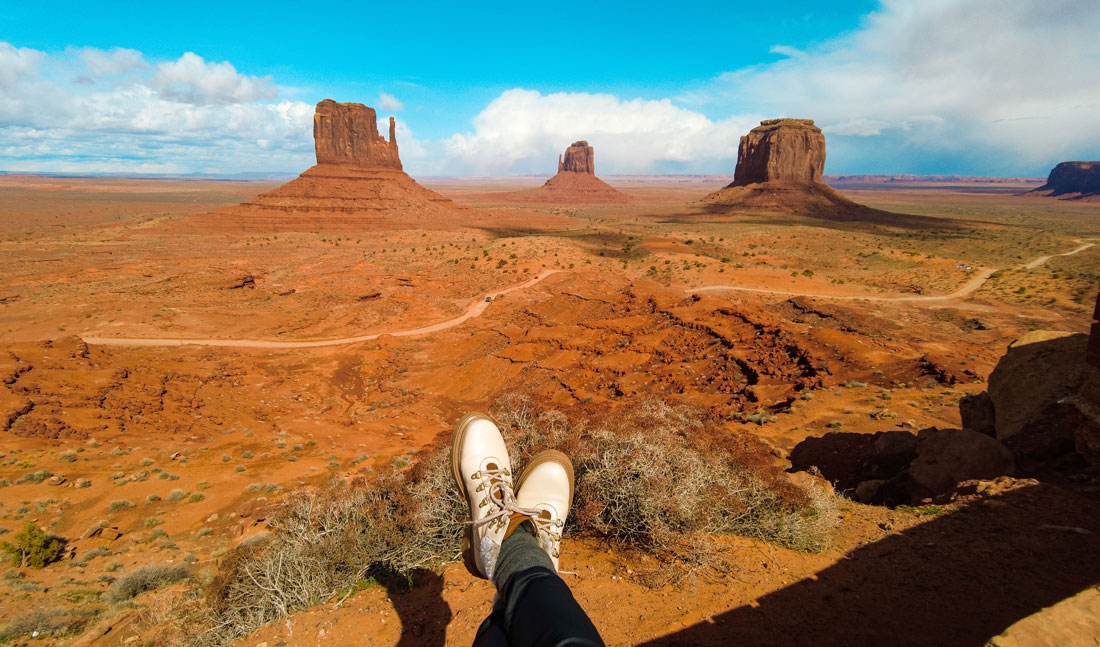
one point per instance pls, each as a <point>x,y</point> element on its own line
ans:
<point>779,168</point>
<point>1072,181</point>
<point>357,183</point>
<point>575,183</point>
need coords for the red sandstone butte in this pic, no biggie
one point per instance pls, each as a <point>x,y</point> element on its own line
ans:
<point>1072,181</point>
<point>347,133</point>
<point>781,149</point>
<point>579,158</point>
<point>779,169</point>
<point>575,183</point>
<point>358,183</point>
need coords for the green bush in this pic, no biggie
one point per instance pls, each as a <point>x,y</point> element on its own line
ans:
<point>33,548</point>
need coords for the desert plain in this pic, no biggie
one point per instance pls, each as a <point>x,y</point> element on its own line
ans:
<point>170,379</point>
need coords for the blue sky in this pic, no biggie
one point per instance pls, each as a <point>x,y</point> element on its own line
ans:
<point>983,87</point>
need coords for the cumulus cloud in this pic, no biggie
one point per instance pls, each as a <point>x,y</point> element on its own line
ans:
<point>192,80</point>
<point>937,86</point>
<point>389,103</point>
<point>123,114</point>
<point>17,64</point>
<point>523,131</point>
<point>985,84</point>
<point>116,60</point>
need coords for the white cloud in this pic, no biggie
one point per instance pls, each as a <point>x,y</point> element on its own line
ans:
<point>998,86</point>
<point>116,60</point>
<point>389,103</point>
<point>17,63</point>
<point>524,131</point>
<point>182,115</point>
<point>192,80</point>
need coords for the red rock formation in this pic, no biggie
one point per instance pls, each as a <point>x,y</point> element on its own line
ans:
<point>781,149</point>
<point>347,133</point>
<point>1072,181</point>
<point>579,158</point>
<point>575,183</point>
<point>779,168</point>
<point>357,183</point>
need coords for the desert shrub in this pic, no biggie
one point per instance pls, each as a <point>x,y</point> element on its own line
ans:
<point>35,477</point>
<point>146,578</point>
<point>177,495</point>
<point>321,543</point>
<point>83,483</point>
<point>33,547</point>
<point>660,479</point>
<point>665,480</point>
<point>118,505</point>
<point>44,623</point>
<point>68,456</point>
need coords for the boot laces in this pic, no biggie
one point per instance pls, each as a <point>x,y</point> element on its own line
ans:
<point>496,482</point>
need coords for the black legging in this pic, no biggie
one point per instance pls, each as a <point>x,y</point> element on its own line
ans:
<point>535,608</point>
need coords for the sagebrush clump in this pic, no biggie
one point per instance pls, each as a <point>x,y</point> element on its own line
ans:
<point>657,478</point>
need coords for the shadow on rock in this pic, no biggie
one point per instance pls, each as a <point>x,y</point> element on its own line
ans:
<point>958,579</point>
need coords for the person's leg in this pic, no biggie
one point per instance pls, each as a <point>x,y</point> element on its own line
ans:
<point>514,539</point>
<point>535,607</point>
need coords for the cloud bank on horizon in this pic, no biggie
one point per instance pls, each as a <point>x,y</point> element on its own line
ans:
<point>979,87</point>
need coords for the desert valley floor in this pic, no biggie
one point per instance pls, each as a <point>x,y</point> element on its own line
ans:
<point>172,379</point>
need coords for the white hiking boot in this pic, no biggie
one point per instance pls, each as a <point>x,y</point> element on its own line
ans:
<point>479,461</point>
<point>544,494</point>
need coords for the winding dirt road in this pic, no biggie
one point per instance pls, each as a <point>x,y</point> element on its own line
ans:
<point>970,287</point>
<point>475,309</point>
<point>478,306</point>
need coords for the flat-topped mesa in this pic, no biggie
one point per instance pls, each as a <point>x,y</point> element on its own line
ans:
<point>1072,179</point>
<point>781,149</point>
<point>347,134</point>
<point>579,158</point>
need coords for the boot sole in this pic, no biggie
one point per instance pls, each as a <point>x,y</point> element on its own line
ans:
<point>468,532</point>
<point>550,456</point>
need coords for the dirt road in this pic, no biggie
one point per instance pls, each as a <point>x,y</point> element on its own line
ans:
<point>475,309</point>
<point>968,288</point>
<point>478,306</point>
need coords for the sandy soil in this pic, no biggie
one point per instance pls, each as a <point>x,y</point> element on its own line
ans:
<point>403,342</point>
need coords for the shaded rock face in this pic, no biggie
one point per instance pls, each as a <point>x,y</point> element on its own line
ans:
<point>946,457</point>
<point>781,149</point>
<point>1043,402</point>
<point>893,467</point>
<point>347,134</point>
<point>578,158</point>
<point>1092,354</point>
<point>1073,178</point>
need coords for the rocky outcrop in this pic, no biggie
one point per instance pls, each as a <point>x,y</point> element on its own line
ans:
<point>347,133</point>
<point>1092,353</point>
<point>575,183</point>
<point>779,169</point>
<point>947,457</point>
<point>781,149</point>
<point>893,467</point>
<point>578,158</point>
<point>357,184</point>
<point>1043,402</point>
<point>1072,181</point>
